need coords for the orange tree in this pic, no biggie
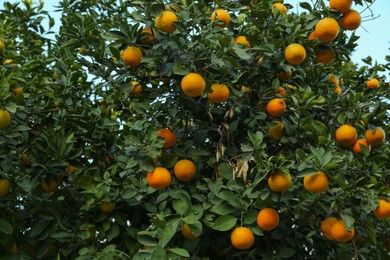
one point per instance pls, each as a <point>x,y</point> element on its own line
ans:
<point>191,129</point>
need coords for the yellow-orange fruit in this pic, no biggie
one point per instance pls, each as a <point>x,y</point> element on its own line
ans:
<point>346,135</point>
<point>148,35</point>
<point>132,56</point>
<point>170,137</point>
<point>242,40</point>
<point>340,5</point>
<point>284,74</point>
<point>327,29</point>
<point>223,18</point>
<point>375,137</point>
<point>242,238</point>
<point>295,53</point>
<point>165,22</point>
<point>326,226</point>
<point>372,83</point>
<point>351,20</point>
<point>312,36</point>
<point>136,88</point>
<point>268,219</point>
<point>279,181</point>
<point>276,132</point>
<point>281,7</point>
<point>276,107</point>
<point>107,207</point>
<point>356,146</point>
<point>340,233</point>
<point>5,119</point>
<point>316,182</point>
<point>5,187</point>
<point>159,178</point>
<point>324,56</point>
<point>193,84</point>
<point>184,170</point>
<point>49,185</point>
<point>219,93</point>
<point>187,232</point>
<point>383,209</point>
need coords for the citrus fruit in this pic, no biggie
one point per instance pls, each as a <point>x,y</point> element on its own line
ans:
<point>159,178</point>
<point>351,20</point>
<point>107,207</point>
<point>193,84</point>
<point>223,18</point>
<point>49,185</point>
<point>281,91</point>
<point>356,146</point>
<point>135,89</point>
<point>327,29</point>
<point>295,53</point>
<point>372,83</point>
<point>279,181</point>
<point>375,137</point>
<point>5,187</point>
<point>284,74</point>
<point>340,233</point>
<point>324,56</point>
<point>241,40</point>
<point>276,132</point>
<point>187,232</point>
<point>383,209</point>
<point>170,137</point>
<point>165,22</point>
<point>316,182</point>
<point>242,238</point>
<point>132,56</point>
<point>340,5</point>
<point>346,135</point>
<point>5,119</point>
<point>326,226</point>
<point>268,219</point>
<point>276,107</point>
<point>147,35</point>
<point>184,170</point>
<point>281,7</point>
<point>219,93</point>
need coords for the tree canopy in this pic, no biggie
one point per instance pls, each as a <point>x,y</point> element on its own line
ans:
<point>191,130</point>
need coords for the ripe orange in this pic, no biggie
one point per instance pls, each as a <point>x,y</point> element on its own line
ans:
<point>337,90</point>
<point>193,84</point>
<point>316,182</point>
<point>107,207</point>
<point>276,107</point>
<point>170,137</point>
<point>327,29</point>
<point>147,35</point>
<point>383,209</point>
<point>295,53</point>
<point>5,119</point>
<point>268,219</point>
<point>356,146</point>
<point>241,40</point>
<point>5,187</point>
<point>324,56</point>
<point>281,7</point>
<point>279,181</point>
<point>281,91</point>
<point>346,135</point>
<point>49,185</point>
<point>247,89</point>
<point>136,88</point>
<point>340,5</point>
<point>242,238</point>
<point>223,18</point>
<point>132,56</point>
<point>219,93</point>
<point>284,74</point>
<point>351,20</point>
<point>184,170</point>
<point>372,83</point>
<point>312,36</point>
<point>159,178</point>
<point>276,132</point>
<point>340,233</point>
<point>326,226</point>
<point>165,22</point>
<point>187,232</point>
<point>71,168</point>
<point>375,137</point>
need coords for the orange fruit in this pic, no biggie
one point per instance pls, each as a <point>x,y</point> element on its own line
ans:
<point>71,168</point>
<point>346,135</point>
<point>316,182</point>
<point>241,40</point>
<point>170,137</point>
<point>223,18</point>
<point>165,22</point>
<point>2,47</point>
<point>340,5</point>
<point>356,146</point>
<point>284,74</point>
<point>324,56</point>
<point>268,219</point>
<point>340,233</point>
<point>5,187</point>
<point>281,7</point>
<point>372,83</point>
<point>383,209</point>
<point>132,56</point>
<point>281,91</point>
<point>242,238</point>
<point>326,226</point>
<point>351,20</point>
<point>159,178</point>
<point>375,137</point>
<point>193,84</point>
<point>334,79</point>
<point>337,90</point>
<point>246,89</point>
<point>184,170</point>
<point>136,88</point>
<point>17,91</point>
<point>219,93</point>
<point>49,185</point>
<point>276,132</point>
<point>276,107</point>
<point>147,35</point>
<point>83,51</point>
<point>295,53</point>
<point>312,36</point>
<point>187,232</point>
<point>279,181</point>
<point>107,207</point>
<point>327,29</point>
<point>5,119</point>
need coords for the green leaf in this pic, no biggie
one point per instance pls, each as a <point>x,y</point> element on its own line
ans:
<point>349,220</point>
<point>180,252</point>
<point>168,232</point>
<point>159,253</point>
<point>224,223</point>
<point>250,217</point>
<point>5,226</point>
<point>306,172</point>
<point>146,238</point>
<point>181,206</point>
